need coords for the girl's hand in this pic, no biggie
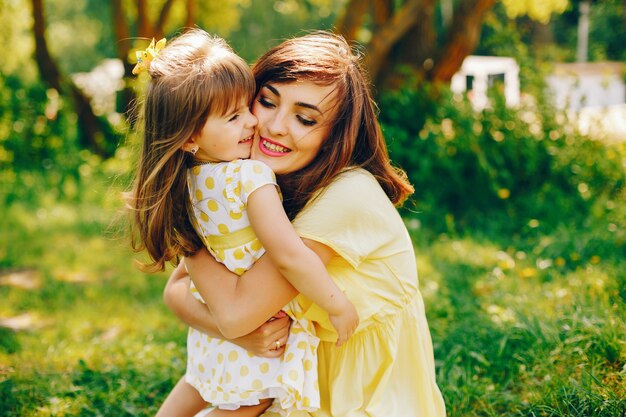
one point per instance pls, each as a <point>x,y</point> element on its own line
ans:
<point>345,323</point>
<point>268,340</point>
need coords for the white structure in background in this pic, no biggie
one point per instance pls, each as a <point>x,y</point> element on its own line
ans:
<point>587,84</point>
<point>594,93</point>
<point>478,73</point>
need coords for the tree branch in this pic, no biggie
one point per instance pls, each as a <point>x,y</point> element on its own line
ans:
<point>389,34</point>
<point>350,22</point>
<point>462,38</point>
<point>160,25</point>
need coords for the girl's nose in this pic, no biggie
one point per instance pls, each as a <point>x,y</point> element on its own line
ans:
<point>252,121</point>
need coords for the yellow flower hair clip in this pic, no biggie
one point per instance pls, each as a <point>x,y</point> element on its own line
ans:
<point>145,57</point>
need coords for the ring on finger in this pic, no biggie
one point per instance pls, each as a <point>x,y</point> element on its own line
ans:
<point>277,343</point>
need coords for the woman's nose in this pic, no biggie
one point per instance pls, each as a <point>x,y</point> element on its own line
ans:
<point>277,125</point>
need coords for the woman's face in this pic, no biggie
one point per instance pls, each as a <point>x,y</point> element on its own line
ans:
<point>294,119</point>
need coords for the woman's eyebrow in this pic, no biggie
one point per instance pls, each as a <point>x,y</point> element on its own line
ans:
<point>272,89</point>
<point>309,106</point>
<point>299,103</point>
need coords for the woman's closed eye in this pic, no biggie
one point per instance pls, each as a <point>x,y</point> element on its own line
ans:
<point>306,121</point>
<point>234,117</point>
<point>269,104</point>
<point>265,102</point>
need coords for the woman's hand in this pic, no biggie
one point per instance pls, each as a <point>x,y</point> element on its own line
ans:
<point>268,340</point>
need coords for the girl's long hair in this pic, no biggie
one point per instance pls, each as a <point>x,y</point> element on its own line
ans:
<point>355,138</point>
<point>194,76</point>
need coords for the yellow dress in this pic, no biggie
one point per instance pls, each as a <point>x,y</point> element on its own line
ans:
<point>386,369</point>
<point>226,375</point>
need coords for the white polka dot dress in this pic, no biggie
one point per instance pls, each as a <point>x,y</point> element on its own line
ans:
<point>226,375</point>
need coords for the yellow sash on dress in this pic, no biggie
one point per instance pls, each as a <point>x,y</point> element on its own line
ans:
<point>231,240</point>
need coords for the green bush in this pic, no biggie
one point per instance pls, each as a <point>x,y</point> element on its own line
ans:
<point>506,168</point>
<point>39,148</point>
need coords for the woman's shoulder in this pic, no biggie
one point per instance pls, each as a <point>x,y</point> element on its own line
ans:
<point>355,190</point>
<point>354,182</point>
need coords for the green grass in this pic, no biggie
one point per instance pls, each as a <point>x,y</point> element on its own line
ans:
<point>528,325</point>
<point>514,340</point>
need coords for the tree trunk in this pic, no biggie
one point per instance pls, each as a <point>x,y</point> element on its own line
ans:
<point>462,38</point>
<point>582,45</point>
<point>386,37</point>
<point>541,34</point>
<point>144,29</point>
<point>48,69</point>
<point>160,25</point>
<point>121,31</point>
<point>350,22</point>
<point>190,21</point>
<point>417,47</point>
<point>383,10</point>
<point>90,127</point>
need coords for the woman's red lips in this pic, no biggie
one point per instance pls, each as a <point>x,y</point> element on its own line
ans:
<point>272,148</point>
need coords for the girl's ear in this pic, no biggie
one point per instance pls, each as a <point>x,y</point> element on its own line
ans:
<point>190,146</point>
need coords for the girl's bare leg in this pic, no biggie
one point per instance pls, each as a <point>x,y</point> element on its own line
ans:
<point>182,401</point>
<point>248,411</point>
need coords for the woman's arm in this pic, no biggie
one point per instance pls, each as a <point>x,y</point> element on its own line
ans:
<point>260,342</point>
<point>178,298</point>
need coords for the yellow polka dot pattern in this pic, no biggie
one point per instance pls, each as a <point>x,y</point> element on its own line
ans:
<point>224,374</point>
<point>212,205</point>
<point>219,200</point>
<point>228,376</point>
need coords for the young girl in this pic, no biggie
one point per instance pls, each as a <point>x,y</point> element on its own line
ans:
<point>197,128</point>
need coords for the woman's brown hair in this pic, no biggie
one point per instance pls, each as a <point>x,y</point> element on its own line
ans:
<point>355,138</point>
<point>194,76</point>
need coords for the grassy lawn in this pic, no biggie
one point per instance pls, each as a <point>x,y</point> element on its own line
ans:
<point>525,325</point>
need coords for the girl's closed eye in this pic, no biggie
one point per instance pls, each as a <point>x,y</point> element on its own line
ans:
<point>234,117</point>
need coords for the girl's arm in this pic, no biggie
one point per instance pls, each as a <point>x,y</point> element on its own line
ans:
<point>260,342</point>
<point>296,262</point>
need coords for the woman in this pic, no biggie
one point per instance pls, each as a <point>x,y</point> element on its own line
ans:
<point>317,130</point>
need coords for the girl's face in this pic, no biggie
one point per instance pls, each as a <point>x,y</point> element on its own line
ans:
<point>225,138</point>
<point>294,119</point>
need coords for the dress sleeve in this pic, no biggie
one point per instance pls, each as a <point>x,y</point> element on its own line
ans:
<point>351,216</point>
<point>245,176</point>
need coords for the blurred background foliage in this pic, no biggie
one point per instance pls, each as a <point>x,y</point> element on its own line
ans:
<point>518,218</point>
<point>52,108</point>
